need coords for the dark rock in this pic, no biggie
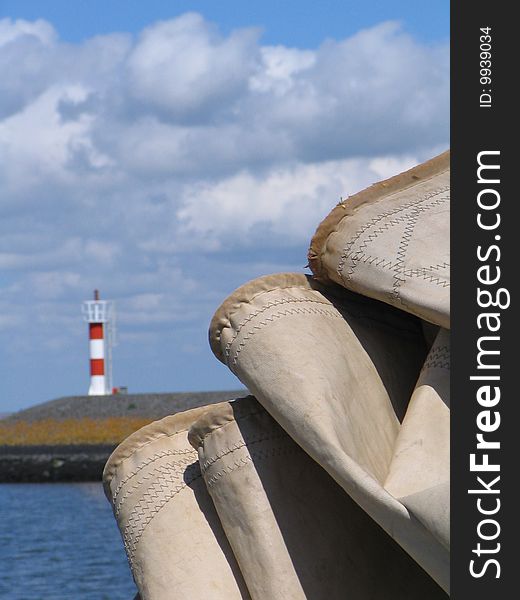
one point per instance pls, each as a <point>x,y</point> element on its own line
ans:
<point>85,462</point>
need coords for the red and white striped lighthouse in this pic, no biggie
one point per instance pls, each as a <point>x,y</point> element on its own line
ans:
<point>98,314</point>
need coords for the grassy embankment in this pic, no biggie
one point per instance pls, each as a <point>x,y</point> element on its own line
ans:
<point>111,430</point>
<point>96,419</point>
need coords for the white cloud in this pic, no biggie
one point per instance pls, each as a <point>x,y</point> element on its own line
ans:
<point>184,100</point>
<point>185,66</point>
<point>168,168</point>
<point>11,30</point>
<point>37,145</point>
<point>279,67</point>
<point>286,203</point>
<point>60,252</point>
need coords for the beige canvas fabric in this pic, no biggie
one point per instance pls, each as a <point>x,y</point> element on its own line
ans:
<point>392,242</point>
<point>336,370</point>
<point>420,470</point>
<point>295,533</point>
<point>171,532</point>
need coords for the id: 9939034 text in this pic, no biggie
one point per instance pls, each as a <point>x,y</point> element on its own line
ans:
<point>485,67</point>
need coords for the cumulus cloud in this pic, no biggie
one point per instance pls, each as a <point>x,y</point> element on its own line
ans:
<point>185,67</point>
<point>12,30</point>
<point>286,204</point>
<point>168,167</point>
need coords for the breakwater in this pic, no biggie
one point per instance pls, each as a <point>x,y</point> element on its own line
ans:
<point>71,438</point>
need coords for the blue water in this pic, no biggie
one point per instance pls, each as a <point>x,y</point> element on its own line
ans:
<point>60,542</point>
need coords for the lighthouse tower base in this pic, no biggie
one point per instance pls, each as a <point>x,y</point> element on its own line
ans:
<point>97,386</point>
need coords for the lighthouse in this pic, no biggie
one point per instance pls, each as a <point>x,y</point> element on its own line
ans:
<point>99,314</point>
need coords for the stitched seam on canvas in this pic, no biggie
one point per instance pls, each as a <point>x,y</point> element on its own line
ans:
<point>145,463</point>
<point>152,501</point>
<point>237,416</point>
<point>439,357</point>
<point>419,273</point>
<point>398,275</point>
<point>240,444</point>
<point>246,460</point>
<point>229,315</point>
<point>404,242</point>
<point>410,220</point>
<point>292,311</point>
<point>415,204</point>
<point>437,267</point>
<point>395,221</point>
<point>263,309</point>
<point>138,447</point>
<point>165,468</point>
<point>423,273</point>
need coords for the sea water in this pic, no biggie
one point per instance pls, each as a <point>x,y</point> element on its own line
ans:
<point>60,542</point>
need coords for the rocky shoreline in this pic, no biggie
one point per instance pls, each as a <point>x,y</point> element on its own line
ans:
<point>36,446</point>
<point>36,464</point>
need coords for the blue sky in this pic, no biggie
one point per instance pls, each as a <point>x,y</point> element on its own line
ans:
<point>167,152</point>
<point>302,23</point>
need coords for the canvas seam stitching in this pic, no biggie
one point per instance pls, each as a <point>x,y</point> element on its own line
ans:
<point>439,357</point>
<point>254,314</point>
<point>414,205</point>
<point>165,468</point>
<point>288,312</point>
<point>246,460</point>
<point>419,273</point>
<point>152,501</point>
<point>237,415</point>
<point>145,463</point>
<point>240,444</point>
<point>114,466</point>
<point>232,311</point>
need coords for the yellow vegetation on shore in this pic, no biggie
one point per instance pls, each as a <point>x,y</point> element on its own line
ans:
<point>111,430</point>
